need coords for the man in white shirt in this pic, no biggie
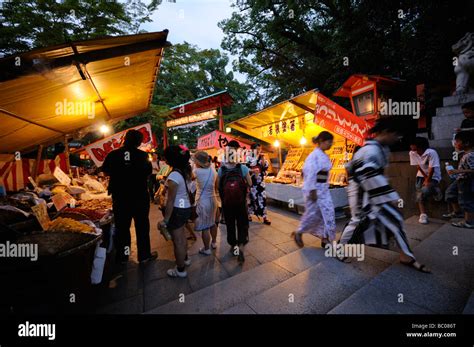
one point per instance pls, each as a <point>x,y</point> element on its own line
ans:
<point>428,174</point>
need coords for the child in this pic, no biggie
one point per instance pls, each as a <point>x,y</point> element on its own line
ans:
<point>428,174</point>
<point>464,141</point>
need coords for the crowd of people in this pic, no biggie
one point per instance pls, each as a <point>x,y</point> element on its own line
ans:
<point>199,192</point>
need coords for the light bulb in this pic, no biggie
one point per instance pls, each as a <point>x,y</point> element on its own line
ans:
<point>104,129</point>
<point>276,143</point>
<point>303,140</point>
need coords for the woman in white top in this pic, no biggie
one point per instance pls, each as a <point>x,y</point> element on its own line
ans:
<point>178,205</point>
<point>206,200</point>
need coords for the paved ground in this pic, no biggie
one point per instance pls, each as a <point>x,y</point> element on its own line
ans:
<point>277,277</point>
<point>135,290</point>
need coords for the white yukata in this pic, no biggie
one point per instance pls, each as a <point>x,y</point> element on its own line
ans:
<point>374,219</point>
<point>318,218</point>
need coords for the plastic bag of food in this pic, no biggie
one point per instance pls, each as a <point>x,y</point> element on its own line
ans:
<point>92,184</point>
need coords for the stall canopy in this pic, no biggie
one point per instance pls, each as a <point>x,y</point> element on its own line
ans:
<point>305,116</point>
<point>202,109</point>
<point>49,93</point>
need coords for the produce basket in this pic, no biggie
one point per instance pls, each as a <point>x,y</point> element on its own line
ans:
<point>63,268</point>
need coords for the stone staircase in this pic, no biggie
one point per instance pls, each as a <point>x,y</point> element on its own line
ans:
<point>305,281</point>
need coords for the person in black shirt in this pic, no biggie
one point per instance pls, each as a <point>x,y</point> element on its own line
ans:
<point>468,122</point>
<point>129,169</point>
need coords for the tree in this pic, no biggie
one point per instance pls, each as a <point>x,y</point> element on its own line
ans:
<point>288,46</point>
<point>188,73</point>
<point>32,24</point>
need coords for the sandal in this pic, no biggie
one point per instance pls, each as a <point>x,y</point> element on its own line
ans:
<point>417,266</point>
<point>298,239</point>
<point>453,215</point>
<point>266,221</point>
<point>463,224</point>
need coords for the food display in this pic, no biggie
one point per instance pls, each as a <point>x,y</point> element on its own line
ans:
<point>69,225</point>
<point>92,214</point>
<point>95,204</point>
<point>340,154</point>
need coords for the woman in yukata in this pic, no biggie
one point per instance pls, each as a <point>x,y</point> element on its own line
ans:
<point>318,218</point>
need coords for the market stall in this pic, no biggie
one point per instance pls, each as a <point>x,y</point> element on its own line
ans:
<point>215,142</point>
<point>290,125</point>
<point>57,94</point>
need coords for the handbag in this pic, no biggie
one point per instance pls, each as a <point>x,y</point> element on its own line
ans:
<point>160,197</point>
<point>192,199</point>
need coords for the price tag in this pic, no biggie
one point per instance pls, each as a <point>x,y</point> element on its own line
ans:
<point>61,176</point>
<point>41,213</point>
<point>61,200</point>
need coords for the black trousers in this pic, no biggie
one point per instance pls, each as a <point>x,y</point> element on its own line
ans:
<point>126,209</point>
<point>236,215</point>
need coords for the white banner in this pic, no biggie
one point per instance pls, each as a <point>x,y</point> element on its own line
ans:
<point>99,149</point>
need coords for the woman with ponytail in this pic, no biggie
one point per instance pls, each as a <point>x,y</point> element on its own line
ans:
<point>178,205</point>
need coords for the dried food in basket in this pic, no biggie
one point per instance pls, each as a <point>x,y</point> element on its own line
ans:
<point>51,244</point>
<point>69,225</point>
<point>93,215</point>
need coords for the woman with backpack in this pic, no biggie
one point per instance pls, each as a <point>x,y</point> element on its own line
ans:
<point>318,218</point>
<point>178,205</point>
<point>233,182</point>
<point>206,200</point>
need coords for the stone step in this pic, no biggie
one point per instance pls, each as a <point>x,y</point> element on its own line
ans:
<point>469,308</point>
<point>317,289</point>
<point>228,293</point>
<point>457,99</point>
<point>400,289</point>
<point>449,111</point>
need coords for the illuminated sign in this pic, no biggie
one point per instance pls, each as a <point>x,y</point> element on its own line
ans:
<point>195,118</point>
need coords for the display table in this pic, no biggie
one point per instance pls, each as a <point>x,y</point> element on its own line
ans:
<point>290,193</point>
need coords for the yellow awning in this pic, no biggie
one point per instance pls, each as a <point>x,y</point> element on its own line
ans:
<point>305,115</point>
<point>296,109</point>
<point>49,93</point>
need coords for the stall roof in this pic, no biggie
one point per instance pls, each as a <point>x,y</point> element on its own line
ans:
<point>354,80</point>
<point>49,93</point>
<point>312,113</point>
<point>206,103</point>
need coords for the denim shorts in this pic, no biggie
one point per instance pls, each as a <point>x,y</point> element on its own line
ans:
<point>422,192</point>
<point>466,194</point>
<point>179,218</point>
<point>451,193</point>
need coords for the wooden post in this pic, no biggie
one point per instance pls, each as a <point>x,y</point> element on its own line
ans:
<point>221,118</point>
<point>66,153</point>
<point>37,162</point>
<point>165,136</point>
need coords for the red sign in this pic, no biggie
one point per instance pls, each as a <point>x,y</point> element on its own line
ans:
<point>99,149</point>
<point>337,119</point>
<point>218,139</point>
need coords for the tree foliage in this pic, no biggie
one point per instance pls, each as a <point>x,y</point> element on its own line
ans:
<point>40,23</point>
<point>188,73</point>
<point>288,46</point>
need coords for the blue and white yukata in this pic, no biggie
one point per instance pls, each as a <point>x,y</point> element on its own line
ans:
<point>318,218</point>
<point>374,219</point>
